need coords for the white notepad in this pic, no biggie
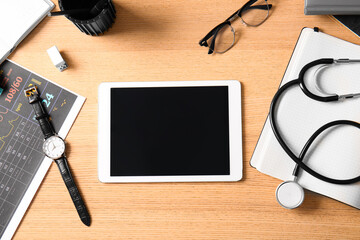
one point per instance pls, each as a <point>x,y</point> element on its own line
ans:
<point>336,153</point>
<point>17,19</point>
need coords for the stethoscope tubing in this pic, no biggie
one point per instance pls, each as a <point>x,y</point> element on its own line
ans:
<point>299,160</point>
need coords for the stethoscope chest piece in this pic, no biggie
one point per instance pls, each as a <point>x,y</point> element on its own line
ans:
<point>290,194</point>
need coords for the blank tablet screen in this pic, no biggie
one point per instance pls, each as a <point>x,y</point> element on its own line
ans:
<point>170,131</point>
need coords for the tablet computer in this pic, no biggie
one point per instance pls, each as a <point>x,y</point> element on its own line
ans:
<point>170,131</point>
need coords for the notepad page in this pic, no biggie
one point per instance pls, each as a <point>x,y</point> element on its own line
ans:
<point>17,18</point>
<point>336,153</point>
<point>4,49</point>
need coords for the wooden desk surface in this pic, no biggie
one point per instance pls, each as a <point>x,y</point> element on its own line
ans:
<point>158,41</point>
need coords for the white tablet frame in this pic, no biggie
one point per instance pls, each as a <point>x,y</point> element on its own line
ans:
<point>235,132</point>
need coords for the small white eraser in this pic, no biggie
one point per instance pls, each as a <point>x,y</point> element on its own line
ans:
<point>57,59</point>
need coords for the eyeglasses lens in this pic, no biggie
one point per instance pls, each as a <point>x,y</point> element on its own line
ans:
<point>256,14</point>
<point>224,39</point>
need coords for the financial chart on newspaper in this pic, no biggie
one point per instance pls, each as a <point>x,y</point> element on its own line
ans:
<point>20,135</point>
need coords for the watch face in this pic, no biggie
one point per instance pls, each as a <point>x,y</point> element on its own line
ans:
<point>54,147</point>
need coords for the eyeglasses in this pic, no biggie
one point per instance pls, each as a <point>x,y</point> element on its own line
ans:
<point>222,37</point>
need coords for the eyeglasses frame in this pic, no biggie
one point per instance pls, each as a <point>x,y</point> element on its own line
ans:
<point>214,32</point>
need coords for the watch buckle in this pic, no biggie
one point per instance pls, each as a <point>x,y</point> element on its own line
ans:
<point>31,91</point>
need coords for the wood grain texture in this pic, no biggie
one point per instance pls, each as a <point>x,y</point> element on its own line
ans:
<point>158,41</point>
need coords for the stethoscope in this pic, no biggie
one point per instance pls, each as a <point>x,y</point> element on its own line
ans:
<point>290,194</point>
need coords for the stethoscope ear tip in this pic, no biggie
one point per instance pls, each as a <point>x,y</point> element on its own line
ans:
<point>290,194</point>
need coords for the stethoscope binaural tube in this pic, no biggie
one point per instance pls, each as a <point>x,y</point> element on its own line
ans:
<point>299,160</point>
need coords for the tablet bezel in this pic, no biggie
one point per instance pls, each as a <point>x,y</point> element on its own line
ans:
<point>235,132</point>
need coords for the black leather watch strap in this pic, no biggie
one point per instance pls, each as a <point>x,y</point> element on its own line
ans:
<point>41,115</point>
<point>73,190</point>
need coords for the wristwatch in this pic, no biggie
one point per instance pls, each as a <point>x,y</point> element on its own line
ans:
<point>54,148</point>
